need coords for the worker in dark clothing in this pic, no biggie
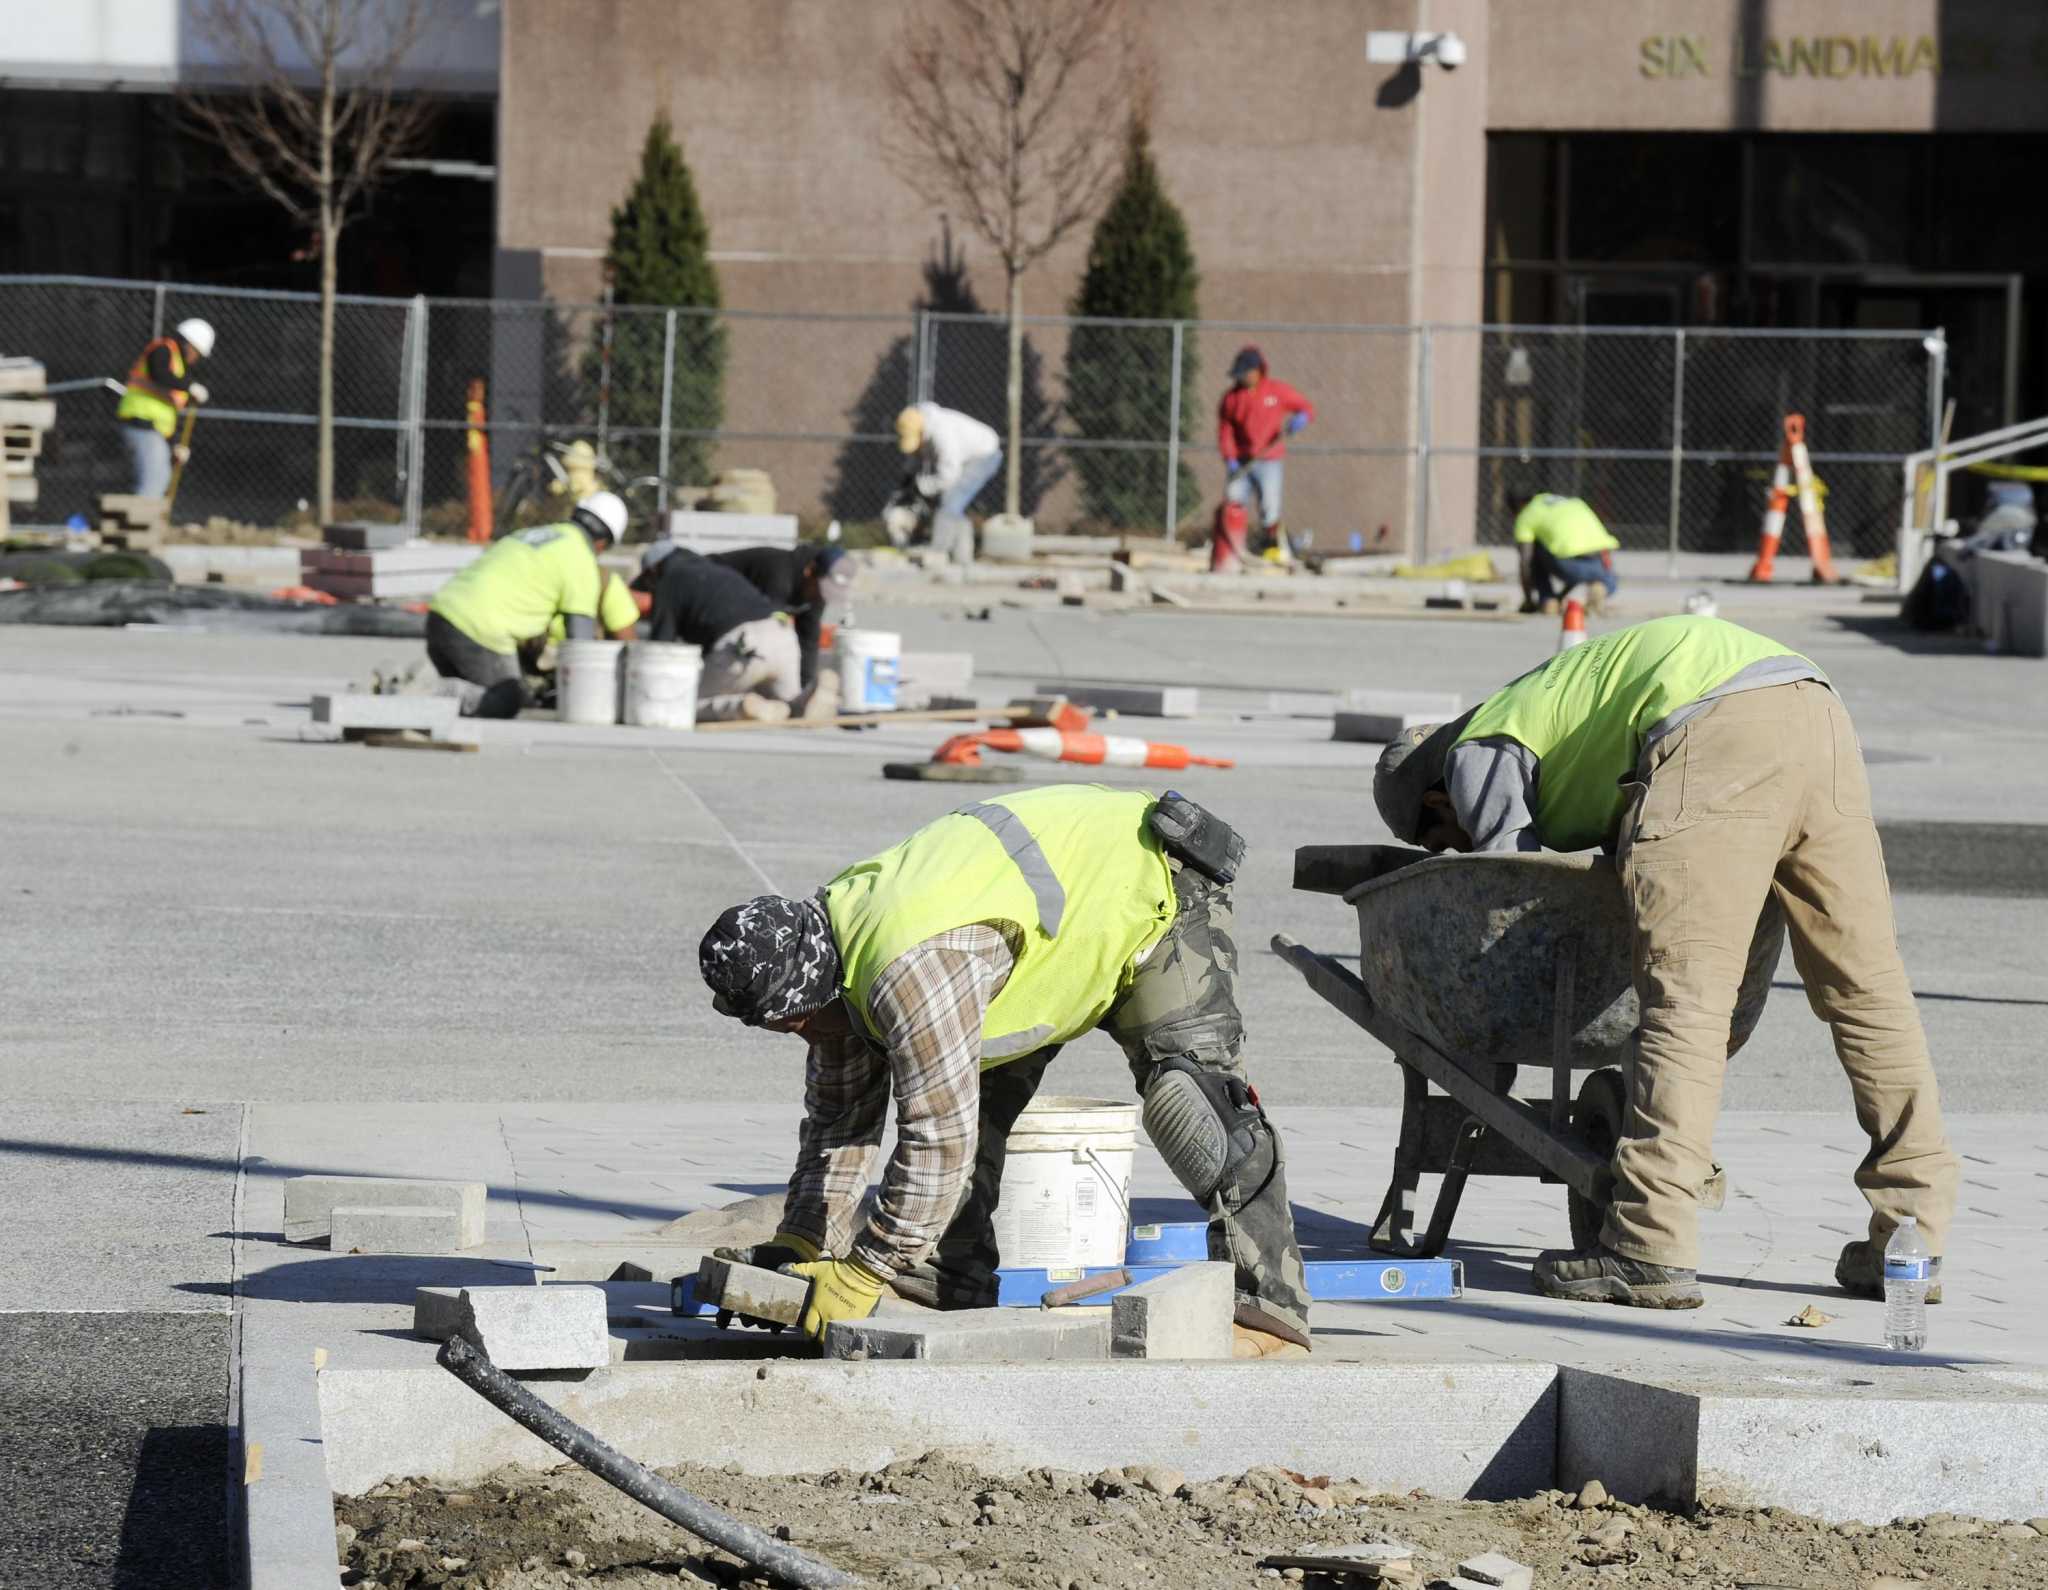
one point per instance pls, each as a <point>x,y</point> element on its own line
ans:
<point>804,580</point>
<point>751,663</point>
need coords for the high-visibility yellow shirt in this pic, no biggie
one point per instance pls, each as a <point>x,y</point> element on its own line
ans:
<point>158,410</point>
<point>1584,713</point>
<point>616,610</point>
<point>1564,526</point>
<point>1075,867</point>
<point>520,584</point>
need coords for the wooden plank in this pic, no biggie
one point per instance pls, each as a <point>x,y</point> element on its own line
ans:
<point>859,719</point>
<point>36,413</point>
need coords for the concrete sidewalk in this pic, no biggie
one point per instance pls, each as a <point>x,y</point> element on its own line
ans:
<point>578,1173</point>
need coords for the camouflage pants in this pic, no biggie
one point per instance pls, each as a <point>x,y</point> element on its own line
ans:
<point>1182,1002</point>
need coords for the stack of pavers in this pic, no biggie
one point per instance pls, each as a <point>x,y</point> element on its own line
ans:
<point>380,561</point>
<point>24,417</point>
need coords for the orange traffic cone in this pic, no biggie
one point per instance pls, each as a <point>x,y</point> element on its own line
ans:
<point>1063,745</point>
<point>1573,631</point>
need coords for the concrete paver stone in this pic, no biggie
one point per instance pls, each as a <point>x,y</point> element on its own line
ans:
<point>750,1290</point>
<point>395,1228</point>
<point>975,1335</point>
<point>435,714</point>
<point>1494,1569</point>
<point>1139,701</point>
<point>1185,1313</point>
<point>536,1327</point>
<point>310,1202</point>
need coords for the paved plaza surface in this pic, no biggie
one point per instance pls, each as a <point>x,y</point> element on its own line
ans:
<point>233,953</point>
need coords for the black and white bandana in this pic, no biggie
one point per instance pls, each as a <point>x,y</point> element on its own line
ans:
<point>770,959</point>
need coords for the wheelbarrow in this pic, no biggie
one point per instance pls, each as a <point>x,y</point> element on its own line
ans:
<point>1471,967</point>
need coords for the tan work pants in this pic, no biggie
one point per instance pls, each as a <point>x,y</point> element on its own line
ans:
<point>759,657</point>
<point>1765,792</point>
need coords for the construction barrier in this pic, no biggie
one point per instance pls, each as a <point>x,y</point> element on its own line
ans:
<point>1067,745</point>
<point>1794,473</point>
<point>479,464</point>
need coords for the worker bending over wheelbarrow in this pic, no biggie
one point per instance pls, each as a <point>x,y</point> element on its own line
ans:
<point>950,970</point>
<point>1719,768</point>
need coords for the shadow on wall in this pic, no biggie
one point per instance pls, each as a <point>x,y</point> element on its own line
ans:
<point>969,370</point>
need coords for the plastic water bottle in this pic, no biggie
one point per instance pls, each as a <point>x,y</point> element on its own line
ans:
<point>1907,1266</point>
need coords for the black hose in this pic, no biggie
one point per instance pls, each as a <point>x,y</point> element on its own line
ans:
<point>753,1546</point>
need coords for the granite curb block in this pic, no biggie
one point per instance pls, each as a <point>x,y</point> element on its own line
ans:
<point>287,1496</point>
<point>1485,1430</point>
<point>310,1202</point>
<point>1861,1444</point>
<point>1185,1313</point>
<point>395,1229</point>
<point>975,1335</point>
<point>1867,1443</point>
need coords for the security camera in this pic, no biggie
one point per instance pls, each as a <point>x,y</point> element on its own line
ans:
<point>1411,49</point>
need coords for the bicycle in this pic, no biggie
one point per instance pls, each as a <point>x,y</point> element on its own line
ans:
<point>544,471</point>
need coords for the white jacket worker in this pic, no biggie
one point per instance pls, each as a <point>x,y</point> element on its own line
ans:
<point>956,456</point>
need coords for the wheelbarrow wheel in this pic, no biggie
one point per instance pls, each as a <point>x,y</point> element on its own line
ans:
<point>1602,1104</point>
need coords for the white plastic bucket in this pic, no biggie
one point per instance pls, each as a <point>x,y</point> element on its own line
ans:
<point>868,660</point>
<point>1066,1194</point>
<point>587,674</point>
<point>661,684</point>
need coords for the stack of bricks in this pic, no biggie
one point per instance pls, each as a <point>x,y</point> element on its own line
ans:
<point>135,524</point>
<point>23,420</point>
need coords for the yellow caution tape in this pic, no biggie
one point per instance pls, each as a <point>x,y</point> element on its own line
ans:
<point>2010,471</point>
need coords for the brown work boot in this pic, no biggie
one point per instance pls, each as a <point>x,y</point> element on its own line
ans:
<point>1596,598</point>
<point>1248,1343</point>
<point>1603,1276</point>
<point>764,709</point>
<point>1860,1269</point>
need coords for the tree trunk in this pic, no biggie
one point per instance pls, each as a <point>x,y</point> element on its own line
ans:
<point>330,235</point>
<point>1014,396</point>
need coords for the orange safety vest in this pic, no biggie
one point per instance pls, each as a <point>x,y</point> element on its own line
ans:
<point>144,402</point>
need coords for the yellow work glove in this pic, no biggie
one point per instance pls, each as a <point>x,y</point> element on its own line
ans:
<point>840,1289</point>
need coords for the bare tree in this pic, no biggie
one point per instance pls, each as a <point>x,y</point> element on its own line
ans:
<point>1008,113</point>
<point>310,112</point>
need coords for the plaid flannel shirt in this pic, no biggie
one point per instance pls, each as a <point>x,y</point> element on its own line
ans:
<point>928,1006</point>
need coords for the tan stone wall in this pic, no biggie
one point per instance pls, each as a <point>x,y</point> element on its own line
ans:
<point>1295,183</point>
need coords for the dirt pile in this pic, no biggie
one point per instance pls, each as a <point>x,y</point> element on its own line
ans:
<point>936,1521</point>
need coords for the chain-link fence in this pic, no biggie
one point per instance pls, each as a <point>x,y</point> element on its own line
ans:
<point>1421,434</point>
<point>1673,435</point>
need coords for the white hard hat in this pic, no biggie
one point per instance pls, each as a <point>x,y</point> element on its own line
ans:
<point>605,508</point>
<point>199,334</point>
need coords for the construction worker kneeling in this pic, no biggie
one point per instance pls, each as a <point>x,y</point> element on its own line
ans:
<point>949,971</point>
<point>505,602</point>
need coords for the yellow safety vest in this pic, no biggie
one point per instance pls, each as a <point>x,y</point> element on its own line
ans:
<point>144,402</point>
<point>1076,868</point>
<point>1585,712</point>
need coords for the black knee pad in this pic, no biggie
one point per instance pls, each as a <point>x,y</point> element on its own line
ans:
<point>1207,1126</point>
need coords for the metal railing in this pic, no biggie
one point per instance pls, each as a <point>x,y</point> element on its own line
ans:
<point>1421,436</point>
<point>1924,486</point>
